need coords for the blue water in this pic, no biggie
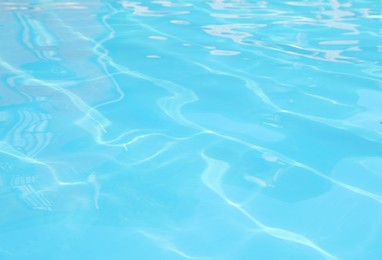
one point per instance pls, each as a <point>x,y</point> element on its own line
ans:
<point>191,130</point>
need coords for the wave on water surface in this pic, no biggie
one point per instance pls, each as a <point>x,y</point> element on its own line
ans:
<point>190,129</point>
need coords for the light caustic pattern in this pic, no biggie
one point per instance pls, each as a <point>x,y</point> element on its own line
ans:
<point>190,130</point>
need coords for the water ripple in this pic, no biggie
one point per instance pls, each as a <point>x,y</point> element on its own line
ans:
<point>190,130</point>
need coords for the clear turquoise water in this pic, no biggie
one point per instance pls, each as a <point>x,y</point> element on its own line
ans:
<point>191,130</point>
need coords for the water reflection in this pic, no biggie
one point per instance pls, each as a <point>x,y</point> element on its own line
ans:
<point>291,27</point>
<point>41,6</point>
<point>143,9</point>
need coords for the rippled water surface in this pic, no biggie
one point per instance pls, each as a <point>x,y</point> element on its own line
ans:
<point>191,129</point>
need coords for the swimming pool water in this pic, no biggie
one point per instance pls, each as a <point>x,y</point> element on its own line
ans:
<point>191,129</point>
